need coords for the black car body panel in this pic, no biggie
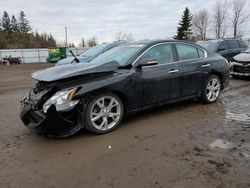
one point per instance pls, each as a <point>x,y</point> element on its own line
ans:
<point>67,71</point>
<point>138,88</point>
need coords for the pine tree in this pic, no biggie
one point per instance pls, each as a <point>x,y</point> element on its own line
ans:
<point>12,37</point>
<point>6,22</point>
<point>92,42</point>
<point>13,24</point>
<point>23,26</point>
<point>51,41</point>
<point>83,43</point>
<point>184,29</point>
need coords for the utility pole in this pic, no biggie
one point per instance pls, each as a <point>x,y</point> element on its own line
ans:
<point>66,37</point>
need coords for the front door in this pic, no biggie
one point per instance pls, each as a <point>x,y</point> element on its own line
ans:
<point>158,83</point>
<point>234,47</point>
<point>224,50</point>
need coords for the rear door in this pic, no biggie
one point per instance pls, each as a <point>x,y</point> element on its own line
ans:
<point>193,67</point>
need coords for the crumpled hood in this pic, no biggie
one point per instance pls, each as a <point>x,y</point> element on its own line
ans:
<point>244,57</point>
<point>68,60</point>
<point>70,70</point>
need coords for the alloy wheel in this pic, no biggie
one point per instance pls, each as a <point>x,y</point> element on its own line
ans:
<point>105,113</point>
<point>213,89</point>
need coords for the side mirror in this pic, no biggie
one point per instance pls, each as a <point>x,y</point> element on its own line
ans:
<point>146,62</point>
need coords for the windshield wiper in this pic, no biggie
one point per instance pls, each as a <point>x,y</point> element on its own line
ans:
<point>75,58</point>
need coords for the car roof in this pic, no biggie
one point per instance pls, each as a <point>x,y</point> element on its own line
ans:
<point>152,42</point>
<point>111,45</point>
<point>219,40</point>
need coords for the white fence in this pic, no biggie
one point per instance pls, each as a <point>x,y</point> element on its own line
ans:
<point>38,55</point>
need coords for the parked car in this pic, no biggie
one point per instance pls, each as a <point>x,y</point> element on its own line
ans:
<point>240,66</point>
<point>123,80</point>
<point>89,54</point>
<point>228,48</point>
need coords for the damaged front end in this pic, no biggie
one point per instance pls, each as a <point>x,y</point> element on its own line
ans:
<point>50,111</point>
<point>240,68</point>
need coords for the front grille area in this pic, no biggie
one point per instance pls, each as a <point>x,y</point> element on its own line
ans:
<point>34,117</point>
<point>241,69</point>
<point>40,86</point>
<point>41,92</point>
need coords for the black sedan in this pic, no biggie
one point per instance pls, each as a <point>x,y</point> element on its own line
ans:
<point>123,80</point>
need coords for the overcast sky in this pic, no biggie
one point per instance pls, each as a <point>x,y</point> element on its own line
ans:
<point>145,19</point>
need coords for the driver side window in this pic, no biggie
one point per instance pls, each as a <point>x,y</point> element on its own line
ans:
<point>160,53</point>
<point>223,45</point>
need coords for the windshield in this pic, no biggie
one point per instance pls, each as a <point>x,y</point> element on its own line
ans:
<point>210,45</point>
<point>120,54</point>
<point>93,51</point>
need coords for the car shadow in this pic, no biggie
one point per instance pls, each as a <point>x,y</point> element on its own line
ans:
<point>154,111</point>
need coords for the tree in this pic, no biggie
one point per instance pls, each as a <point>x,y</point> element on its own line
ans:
<point>120,36</point>
<point>6,22</point>
<point>23,26</point>
<point>51,41</point>
<point>239,15</point>
<point>3,41</point>
<point>12,38</point>
<point>128,37</point>
<point>184,30</point>
<point>220,18</point>
<point>92,42</point>
<point>200,23</point>
<point>71,45</point>
<point>83,43</point>
<point>13,24</point>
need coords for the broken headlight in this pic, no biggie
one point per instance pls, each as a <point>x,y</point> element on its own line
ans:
<point>62,100</point>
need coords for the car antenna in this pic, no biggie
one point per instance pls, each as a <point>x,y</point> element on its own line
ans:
<point>76,59</point>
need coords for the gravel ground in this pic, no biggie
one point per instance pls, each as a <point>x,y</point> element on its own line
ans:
<point>182,145</point>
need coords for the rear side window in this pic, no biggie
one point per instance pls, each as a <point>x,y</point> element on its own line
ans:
<point>242,44</point>
<point>233,44</point>
<point>186,52</point>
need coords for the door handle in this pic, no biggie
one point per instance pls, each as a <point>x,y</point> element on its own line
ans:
<point>173,71</point>
<point>206,65</point>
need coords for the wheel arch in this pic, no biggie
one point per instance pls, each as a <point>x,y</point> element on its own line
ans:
<point>213,72</point>
<point>89,96</point>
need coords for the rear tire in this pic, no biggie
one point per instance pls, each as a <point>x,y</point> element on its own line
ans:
<point>211,89</point>
<point>104,113</point>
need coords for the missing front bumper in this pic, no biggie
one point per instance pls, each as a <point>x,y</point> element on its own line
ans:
<point>50,124</point>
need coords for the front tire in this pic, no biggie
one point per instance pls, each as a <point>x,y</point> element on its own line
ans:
<point>212,89</point>
<point>104,113</point>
